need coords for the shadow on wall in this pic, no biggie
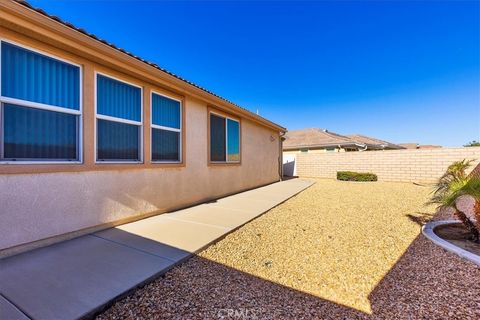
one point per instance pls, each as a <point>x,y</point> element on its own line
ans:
<point>289,169</point>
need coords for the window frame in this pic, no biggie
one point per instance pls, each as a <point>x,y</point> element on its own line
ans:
<point>42,106</point>
<point>156,126</point>
<point>97,116</point>
<point>226,117</point>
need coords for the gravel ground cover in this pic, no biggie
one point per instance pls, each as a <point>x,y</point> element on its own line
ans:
<point>338,250</point>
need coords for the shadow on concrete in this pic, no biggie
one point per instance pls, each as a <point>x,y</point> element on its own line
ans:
<point>83,276</point>
<point>425,282</point>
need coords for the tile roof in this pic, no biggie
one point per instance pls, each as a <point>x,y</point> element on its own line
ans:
<point>409,145</point>
<point>429,146</point>
<point>374,142</point>
<point>322,138</point>
<point>315,137</point>
<point>152,64</point>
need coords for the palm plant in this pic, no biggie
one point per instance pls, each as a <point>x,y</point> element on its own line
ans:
<point>454,184</point>
<point>471,188</point>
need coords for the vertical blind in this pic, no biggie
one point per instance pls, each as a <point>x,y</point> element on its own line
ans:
<point>30,76</point>
<point>117,141</point>
<point>217,138</point>
<point>165,145</point>
<point>118,99</point>
<point>233,142</point>
<point>224,139</point>
<point>166,141</point>
<point>31,133</point>
<point>165,111</point>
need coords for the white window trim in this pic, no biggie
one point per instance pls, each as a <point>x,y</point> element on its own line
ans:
<point>155,126</point>
<point>25,103</point>
<point>226,138</point>
<point>121,120</point>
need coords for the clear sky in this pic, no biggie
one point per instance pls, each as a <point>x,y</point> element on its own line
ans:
<point>399,71</point>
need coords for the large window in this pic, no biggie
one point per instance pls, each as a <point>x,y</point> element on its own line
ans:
<point>166,128</point>
<point>224,139</point>
<point>40,107</point>
<point>119,121</point>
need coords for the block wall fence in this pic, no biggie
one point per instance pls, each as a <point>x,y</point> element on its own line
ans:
<point>392,165</point>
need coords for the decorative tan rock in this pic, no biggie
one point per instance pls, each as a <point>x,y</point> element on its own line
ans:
<point>335,251</point>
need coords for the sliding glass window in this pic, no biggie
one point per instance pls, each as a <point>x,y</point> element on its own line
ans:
<point>119,120</point>
<point>224,139</point>
<point>166,129</point>
<point>40,107</point>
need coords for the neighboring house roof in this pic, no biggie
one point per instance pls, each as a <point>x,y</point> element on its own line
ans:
<point>373,143</point>
<point>429,146</point>
<point>418,146</point>
<point>321,138</point>
<point>409,145</point>
<point>317,138</point>
<point>154,65</point>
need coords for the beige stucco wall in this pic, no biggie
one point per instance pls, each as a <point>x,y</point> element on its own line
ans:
<point>408,165</point>
<point>49,200</point>
<point>37,206</point>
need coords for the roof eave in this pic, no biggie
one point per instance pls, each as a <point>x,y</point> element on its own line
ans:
<point>44,27</point>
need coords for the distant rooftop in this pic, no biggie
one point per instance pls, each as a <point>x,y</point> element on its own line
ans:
<point>322,138</point>
<point>374,142</point>
<point>413,145</point>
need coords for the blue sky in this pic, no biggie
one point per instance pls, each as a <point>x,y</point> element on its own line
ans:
<point>399,71</point>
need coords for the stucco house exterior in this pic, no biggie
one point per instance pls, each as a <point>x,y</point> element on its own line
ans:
<point>93,136</point>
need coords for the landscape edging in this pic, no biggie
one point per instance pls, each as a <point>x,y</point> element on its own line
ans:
<point>428,232</point>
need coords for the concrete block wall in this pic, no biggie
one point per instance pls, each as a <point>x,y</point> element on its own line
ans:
<point>392,165</point>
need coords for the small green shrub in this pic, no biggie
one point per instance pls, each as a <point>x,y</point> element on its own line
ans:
<point>355,176</point>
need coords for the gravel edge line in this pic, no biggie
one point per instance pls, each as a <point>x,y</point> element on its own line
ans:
<point>428,232</point>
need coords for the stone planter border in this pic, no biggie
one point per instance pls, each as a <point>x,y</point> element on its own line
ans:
<point>428,231</point>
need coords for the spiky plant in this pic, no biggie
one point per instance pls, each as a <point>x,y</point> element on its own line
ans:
<point>471,188</point>
<point>451,186</point>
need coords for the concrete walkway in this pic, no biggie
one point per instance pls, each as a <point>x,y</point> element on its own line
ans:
<point>77,278</point>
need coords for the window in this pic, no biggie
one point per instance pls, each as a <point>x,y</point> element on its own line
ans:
<point>166,128</point>
<point>119,120</point>
<point>224,139</point>
<point>40,107</point>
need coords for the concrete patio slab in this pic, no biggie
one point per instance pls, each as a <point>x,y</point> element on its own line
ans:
<point>9,312</point>
<point>252,206</point>
<point>212,215</point>
<point>183,235</point>
<point>144,244</point>
<point>75,278</point>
